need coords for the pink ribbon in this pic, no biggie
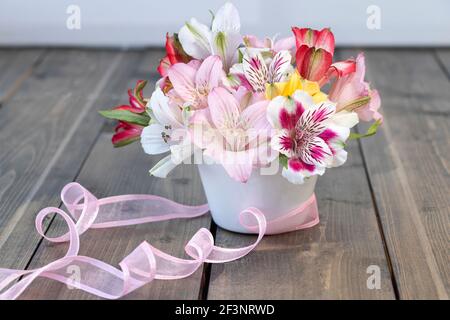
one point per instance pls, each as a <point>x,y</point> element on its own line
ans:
<point>146,262</point>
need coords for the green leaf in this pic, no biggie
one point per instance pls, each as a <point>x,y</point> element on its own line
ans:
<point>283,160</point>
<point>141,119</point>
<point>370,132</point>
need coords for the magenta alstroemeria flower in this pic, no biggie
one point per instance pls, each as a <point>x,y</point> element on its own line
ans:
<point>310,135</point>
<point>352,93</point>
<point>194,81</point>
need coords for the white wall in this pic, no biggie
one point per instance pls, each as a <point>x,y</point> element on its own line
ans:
<point>142,23</point>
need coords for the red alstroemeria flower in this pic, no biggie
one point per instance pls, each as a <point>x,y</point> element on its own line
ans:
<point>314,56</point>
<point>174,54</point>
<point>126,133</point>
<point>132,118</point>
<point>136,98</point>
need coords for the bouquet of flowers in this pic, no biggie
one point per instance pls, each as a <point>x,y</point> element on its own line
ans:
<point>248,103</point>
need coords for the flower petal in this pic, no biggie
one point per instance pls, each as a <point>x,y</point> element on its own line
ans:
<point>226,19</point>
<point>312,63</point>
<point>304,98</point>
<point>163,66</point>
<point>283,143</point>
<point>279,66</point>
<point>305,36</point>
<point>126,133</point>
<point>315,152</point>
<point>238,165</point>
<point>255,71</point>
<point>225,44</point>
<point>182,77</point>
<point>254,116</point>
<point>195,39</point>
<point>314,120</point>
<point>345,118</point>
<point>163,167</point>
<point>162,111</point>
<point>210,73</point>
<point>284,44</point>
<point>325,40</point>
<point>281,113</point>
<point>343,68</point>
<point>370,112</point>
<point>152,140</point>
<point>224,108</point>
<point>297,171</point>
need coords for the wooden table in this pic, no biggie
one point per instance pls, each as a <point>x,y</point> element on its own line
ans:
<point>387,207</point>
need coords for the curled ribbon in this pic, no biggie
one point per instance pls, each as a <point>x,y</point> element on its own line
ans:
<point>145,263</point>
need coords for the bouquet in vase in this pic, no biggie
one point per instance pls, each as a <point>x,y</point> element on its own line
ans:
<point>241,104</point>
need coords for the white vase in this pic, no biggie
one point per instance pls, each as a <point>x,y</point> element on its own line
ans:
<point>274,195</point>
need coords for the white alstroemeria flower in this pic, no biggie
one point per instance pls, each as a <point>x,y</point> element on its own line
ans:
<point>311,135</point>
<point>255,72</point>
<point>223,39</point>
<point>166,132</point>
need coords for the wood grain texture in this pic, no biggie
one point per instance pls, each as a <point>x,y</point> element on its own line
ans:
<point>48,129</point>
<point>328,261</point>
<point>110,171</point>
<point>443,56</point>
<point>409,167</point>
<point>16,65</point>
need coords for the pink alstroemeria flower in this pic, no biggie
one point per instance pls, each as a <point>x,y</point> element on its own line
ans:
<point>314,56</point>
<point>233,133</point>
<point>269,44</point>
<point>194,81</point>
<point>352,93</point>
<point>310,135</point>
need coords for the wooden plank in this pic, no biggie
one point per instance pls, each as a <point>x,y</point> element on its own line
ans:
<point>48,129</point>
<point>443,56</point>
<point>16,66</point>
<point>409,168</point>
<point>111,171</point>
<point>328,261</point>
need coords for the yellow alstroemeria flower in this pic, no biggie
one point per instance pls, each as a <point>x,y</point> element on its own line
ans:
<point>296,82</point>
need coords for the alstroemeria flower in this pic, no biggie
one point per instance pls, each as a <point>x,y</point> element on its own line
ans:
<point>295,82</point>
<point>271,45</point>
<point>255,72</point>
<point>352,93</point>
<point>223,39</point>
<point>193,82</point>
<point>126,133</point>
<point>310,135</point>
<point>136,98</point>
<point>174,54</point>
<point>159,137</point>
<point>314,56</point>
<point>129,126</point>
<point>234,134</point>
